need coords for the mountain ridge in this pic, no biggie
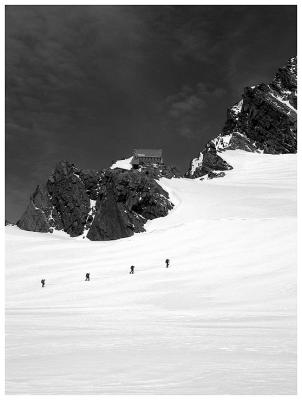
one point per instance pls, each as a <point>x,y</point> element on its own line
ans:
<point>264,120</point>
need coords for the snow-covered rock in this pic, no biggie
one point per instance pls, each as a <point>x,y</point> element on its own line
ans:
<point>263,121</point>
<point>123,164</point>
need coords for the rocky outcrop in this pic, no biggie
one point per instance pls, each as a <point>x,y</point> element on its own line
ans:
<point>160,171</point>
<point>209,161</point>
<point>285,82</point>
<point>37,215</point>
<point>268,120</point>
<point>63,203</point>
<point>106,205</point>
<point>264,120</point>
<point>127,199</point>
<point>213,174</point>
<point>69,198</point>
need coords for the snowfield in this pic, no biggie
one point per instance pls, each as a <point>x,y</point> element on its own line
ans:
<point>220,320</point>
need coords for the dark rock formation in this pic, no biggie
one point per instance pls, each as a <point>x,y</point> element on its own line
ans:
<point>212,174</point>
<point>285,82</point>
<point>36,217</point>
<point>69,198</point>
<point>160,171</point>
<point>127,199</point>
<point>265,120</point>
<point>212,161</point>
<point>268,121</point>
<point>105,205</point>
<point>242,142</point>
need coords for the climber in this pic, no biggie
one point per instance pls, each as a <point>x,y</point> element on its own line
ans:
<point>167,263</point>
<point>87,276</point>
<point>43,282</point>
<point>132,269</point>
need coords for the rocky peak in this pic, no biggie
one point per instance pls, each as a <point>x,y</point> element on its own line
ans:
<point>285,81</point>
<point>264,120</point>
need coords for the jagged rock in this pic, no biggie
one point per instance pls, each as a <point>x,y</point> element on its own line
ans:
<point>105,205</point>
<point>69,197</point>
<point>161,170</point>
<point>62,204</point>
<point>35,217</point>
<point>111,220</point>
<point>211,161</point>
<point>268,121</point>
<point>238,141</point>
<point>285,81</point>
<point>91,179</point>
<point>127,199</point>
<point>265,120</point>
<point>269,112</point>
<point>213,174</point>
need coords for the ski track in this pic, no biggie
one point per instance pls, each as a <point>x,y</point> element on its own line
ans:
<point>220,320</point>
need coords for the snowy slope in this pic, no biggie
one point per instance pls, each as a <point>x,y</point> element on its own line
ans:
<point>221,320</point>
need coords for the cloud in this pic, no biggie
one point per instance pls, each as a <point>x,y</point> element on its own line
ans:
<point>187,110</point>
<point>188,105</point>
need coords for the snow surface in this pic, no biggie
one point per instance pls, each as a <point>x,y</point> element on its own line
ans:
<point>196,162</point>
<point>220,320</point>
<point>124,164</point>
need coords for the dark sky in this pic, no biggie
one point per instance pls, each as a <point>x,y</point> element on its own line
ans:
<point>90,83</point>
